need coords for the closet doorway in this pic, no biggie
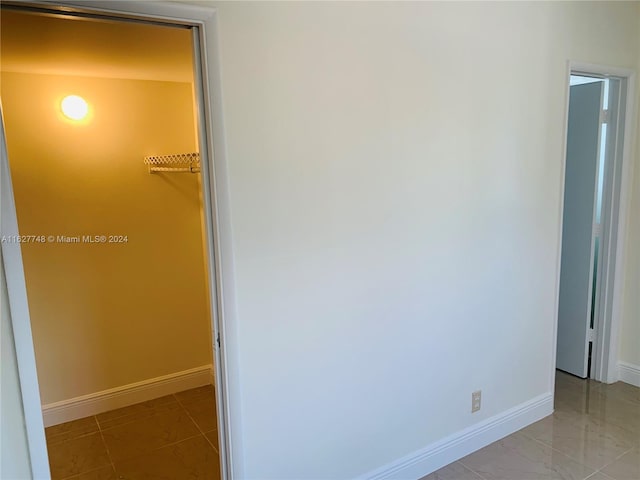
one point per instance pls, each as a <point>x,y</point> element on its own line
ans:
<point>595,198</point>
<point>104,123</point>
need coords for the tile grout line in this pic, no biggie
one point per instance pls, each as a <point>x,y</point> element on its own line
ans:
<point>607,477</point>
<point>100,429</point>
<point>53,444</point>
<point>127,459</point>
<point>53,440</point>
<point>77,475</point>
<point>595,470</point>
<point>164,446</point>
<point>539,442</point>
<point>614,461</point>
<point>471,469</point>
<point>150,451</point>
<point>574,459</point>
<point>132,417</point>
<point>196,424</point>
<point>106,447</point>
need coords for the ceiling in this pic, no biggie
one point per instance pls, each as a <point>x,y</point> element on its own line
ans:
<point>63,45</point>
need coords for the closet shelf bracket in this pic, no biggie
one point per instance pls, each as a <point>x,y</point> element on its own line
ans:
<point>181,163</point>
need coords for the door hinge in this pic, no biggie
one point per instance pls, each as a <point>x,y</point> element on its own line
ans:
<point>597,229</point>
<point>591,335</point>
<point>218,340</point>
<point>604,116</point>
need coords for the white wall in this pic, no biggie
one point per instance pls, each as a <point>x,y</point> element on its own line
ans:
<point>630,329</point>
<point>394,175</point>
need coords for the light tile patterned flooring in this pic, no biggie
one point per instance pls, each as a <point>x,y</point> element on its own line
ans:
<point>593,434</point>
<point>173,438</point>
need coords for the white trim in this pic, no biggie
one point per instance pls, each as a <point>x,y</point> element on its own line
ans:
<point>21,321</point>
<point>171,12</point>
<point>214,180</point>
<point>629,373</point>
<point>610,372</point>
<point>212,376</point>
<point>454,447</point>
<point>125,395</point>
<point>563,168</point>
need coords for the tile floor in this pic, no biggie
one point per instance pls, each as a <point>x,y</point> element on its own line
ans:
<point>593,434</point>
<point>173,437</point>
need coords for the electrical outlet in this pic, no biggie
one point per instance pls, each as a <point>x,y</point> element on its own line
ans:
<point>476,401</point>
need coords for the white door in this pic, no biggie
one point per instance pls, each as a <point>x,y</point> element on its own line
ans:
<point>576,272</point>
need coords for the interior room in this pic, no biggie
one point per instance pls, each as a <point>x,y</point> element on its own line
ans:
<point>385,188</point>
<point>114,245</point>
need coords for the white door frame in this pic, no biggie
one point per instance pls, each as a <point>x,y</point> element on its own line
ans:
<point>20,321</point>
<point>217,219</point>
<point>605,363</point>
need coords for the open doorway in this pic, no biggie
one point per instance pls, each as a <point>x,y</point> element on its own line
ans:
<point>115,250</point>
<point>593,184</point>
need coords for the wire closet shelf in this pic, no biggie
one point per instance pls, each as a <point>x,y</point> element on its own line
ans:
<point>181,163</point>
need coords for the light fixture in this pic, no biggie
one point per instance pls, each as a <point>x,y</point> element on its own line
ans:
<point>74,107</point>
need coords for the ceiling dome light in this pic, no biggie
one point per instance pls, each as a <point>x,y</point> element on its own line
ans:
<point>74,107</point>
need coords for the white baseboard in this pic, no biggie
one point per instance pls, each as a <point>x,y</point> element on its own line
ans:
<point>452,448</point>
<point>629,373</point>
<point>125,395</point>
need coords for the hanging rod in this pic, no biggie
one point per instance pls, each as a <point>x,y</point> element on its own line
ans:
<point>181,162</point>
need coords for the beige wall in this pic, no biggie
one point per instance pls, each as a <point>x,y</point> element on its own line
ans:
<point>106,315</point>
